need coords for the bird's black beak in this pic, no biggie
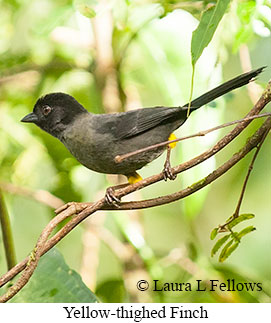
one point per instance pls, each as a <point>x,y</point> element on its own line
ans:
<point>31,117</point>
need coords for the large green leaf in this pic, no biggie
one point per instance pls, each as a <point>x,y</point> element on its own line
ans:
<point>54,282</point>
<point>203,34</point>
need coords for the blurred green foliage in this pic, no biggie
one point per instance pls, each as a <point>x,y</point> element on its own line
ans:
<point>132,54</point>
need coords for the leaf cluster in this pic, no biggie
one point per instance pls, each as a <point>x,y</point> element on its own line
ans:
<point>233,238</point>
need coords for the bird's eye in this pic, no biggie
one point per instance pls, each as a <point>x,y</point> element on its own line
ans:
<point>46,110</point>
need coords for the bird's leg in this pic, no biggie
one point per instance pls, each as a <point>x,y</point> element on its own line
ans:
<point>110,191</point>
<point>167,171</point>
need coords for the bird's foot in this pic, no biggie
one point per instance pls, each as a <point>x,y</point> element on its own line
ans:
<point>77,207</point>
<point>167,172</point>
<point>110,197</point>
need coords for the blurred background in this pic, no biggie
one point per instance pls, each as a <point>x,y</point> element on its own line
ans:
<point>119,55</point>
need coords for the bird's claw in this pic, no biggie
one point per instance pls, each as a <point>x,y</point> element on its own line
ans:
<point>110,197</point>
<point>167,172</point>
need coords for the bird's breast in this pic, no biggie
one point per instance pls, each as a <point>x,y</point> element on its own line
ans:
<point>97,149</point>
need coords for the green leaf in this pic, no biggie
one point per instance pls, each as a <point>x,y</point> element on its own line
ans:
<point>224,251</point>
<point>219,244</point>
<point>203,34</point>
<point>228,251</point>
<point>245,231</point>
<point>54,282</point>
<point>213,233</point>
<point>239,219</point>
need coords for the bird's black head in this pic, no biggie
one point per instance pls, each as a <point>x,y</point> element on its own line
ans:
<point>54,112</point>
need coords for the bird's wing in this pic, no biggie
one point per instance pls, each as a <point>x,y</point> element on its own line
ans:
<point>135,122</point>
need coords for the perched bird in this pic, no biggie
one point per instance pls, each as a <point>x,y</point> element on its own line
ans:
<point>96,139</point>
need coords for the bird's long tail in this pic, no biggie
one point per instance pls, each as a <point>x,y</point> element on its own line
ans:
<point>224,88</point>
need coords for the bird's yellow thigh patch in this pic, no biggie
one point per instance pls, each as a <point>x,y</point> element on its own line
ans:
<point>172,137</point>
<point>134,178</point>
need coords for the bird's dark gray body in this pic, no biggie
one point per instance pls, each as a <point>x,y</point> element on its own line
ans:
<point>100,136</point>
<point>95,140</point>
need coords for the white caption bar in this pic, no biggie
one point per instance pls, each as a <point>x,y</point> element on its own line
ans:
<point>186,312</point>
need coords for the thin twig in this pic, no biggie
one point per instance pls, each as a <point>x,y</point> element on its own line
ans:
<point>258,147</point>
<point>120,158</point>
<point>222,228</point>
